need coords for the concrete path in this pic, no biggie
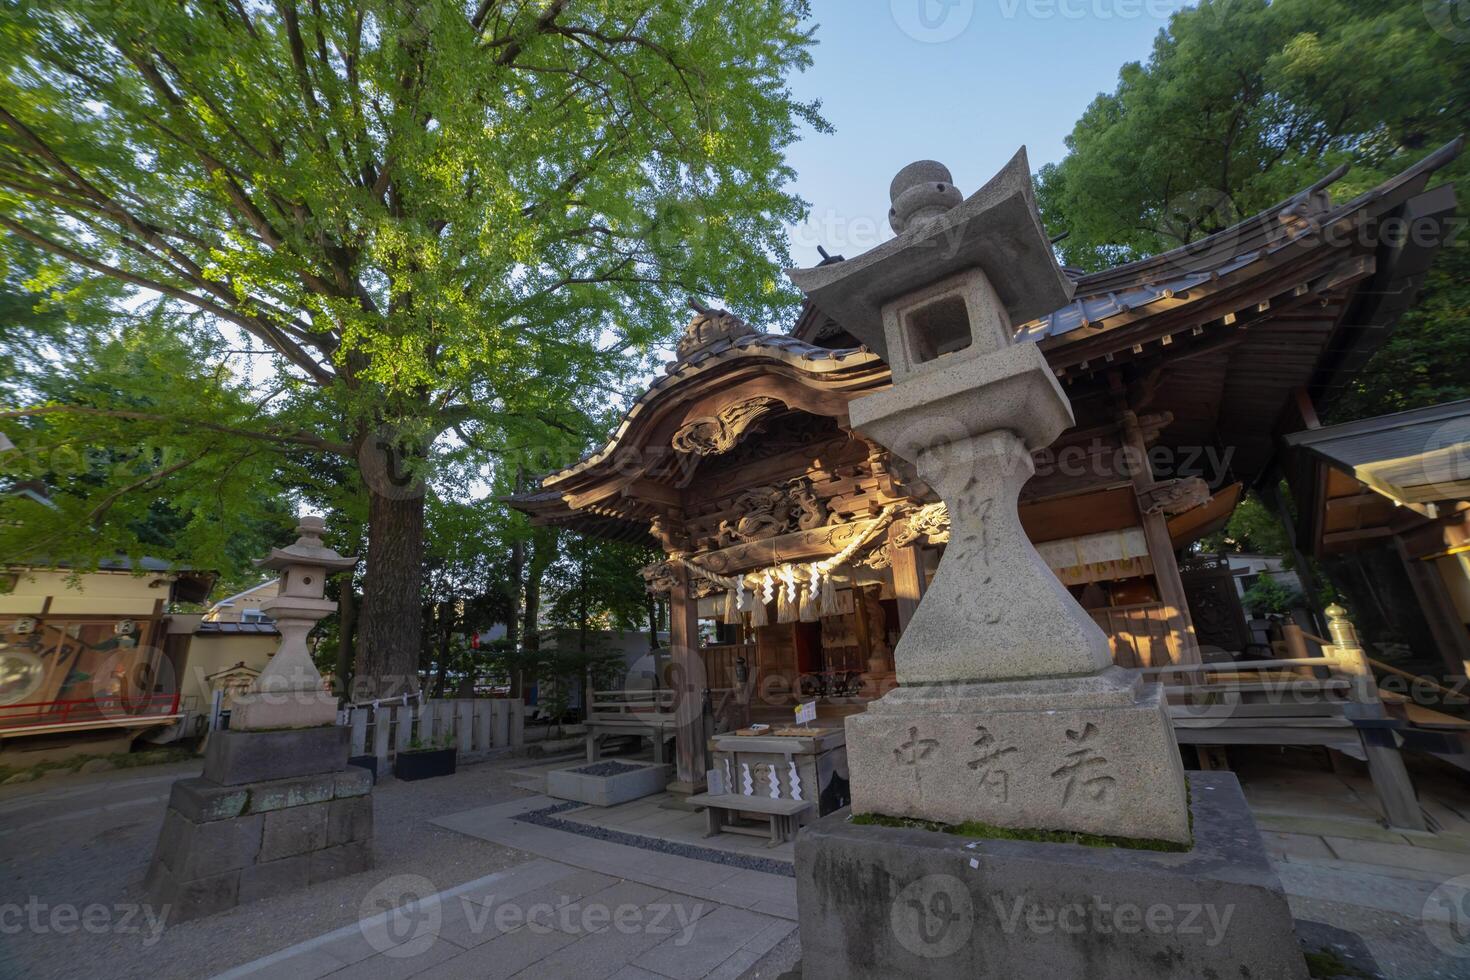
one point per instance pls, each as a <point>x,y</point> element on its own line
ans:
<point>727,884</point>
<point>585,908</point>
<point>1340,865</point>
<point>73,851</point>
<point>540,919</point>
<point>463,889</point>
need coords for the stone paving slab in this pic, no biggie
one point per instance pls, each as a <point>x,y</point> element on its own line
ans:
<point>469,923</point>
<point>1401,896</point>
<point>503,956</point>
<point>563,921</point>
<point>1297,823</point>
<point>1449,863</point>
<point>1368,873</point>
<point>604,952</point>
<point>385,966</point>
<point>636,973</point>
<point>720,935</point>
<point>741,888</point>
<point>1283,845</point>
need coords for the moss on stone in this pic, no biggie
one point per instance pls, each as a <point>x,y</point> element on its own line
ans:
<point>1327,964</point>
<point>984,831</point>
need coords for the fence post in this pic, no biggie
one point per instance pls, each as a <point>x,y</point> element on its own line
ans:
<point>466,734</point>
<point>442,713</point>
<point>499,723</point>
<point>482,724</point>
<point>380,737</point>
<point>517,722</point>
<point>1296,642</point>
<point>404,735</point>
<point>1385,764</point>
<point>358,721</point>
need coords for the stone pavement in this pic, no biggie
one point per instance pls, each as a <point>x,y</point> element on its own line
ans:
<point>74,842</point>
<point>75,847</point>
<point>1340,865</point>
<point>539,919</point>
<point>586,908</point>
<point>726,884</point>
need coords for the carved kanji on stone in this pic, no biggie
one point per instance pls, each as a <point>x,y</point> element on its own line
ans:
<point>1085,768</point>
<point>994,780</point>
<point>915,750</point>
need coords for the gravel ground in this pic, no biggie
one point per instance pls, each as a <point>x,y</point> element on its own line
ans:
<point>83,843</point>
<point>607,769</point>
<point>547,817</point>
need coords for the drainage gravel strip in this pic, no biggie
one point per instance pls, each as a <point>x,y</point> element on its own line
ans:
<point>608,769</point>
<point>546,817</point>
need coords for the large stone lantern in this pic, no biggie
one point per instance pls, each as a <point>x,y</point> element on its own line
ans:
<point>998,646</point>
<point>289,692</point>
<point>1010,713</point>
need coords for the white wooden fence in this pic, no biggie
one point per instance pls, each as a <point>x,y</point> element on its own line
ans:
<point>475,725</point>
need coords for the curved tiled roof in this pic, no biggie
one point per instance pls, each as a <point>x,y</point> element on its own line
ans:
<point>754,346</point>
<point>1136,285</point>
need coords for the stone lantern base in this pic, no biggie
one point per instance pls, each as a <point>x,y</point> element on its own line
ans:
<point>880,902</point>
<point>273,811</point>
<point>1094,755</point>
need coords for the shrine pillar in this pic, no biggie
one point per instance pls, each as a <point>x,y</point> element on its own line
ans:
<point>688,681</point>
<point>1155,525</point>
<point>907,567</point>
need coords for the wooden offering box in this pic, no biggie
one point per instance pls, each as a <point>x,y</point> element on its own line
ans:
<point>786,763</point>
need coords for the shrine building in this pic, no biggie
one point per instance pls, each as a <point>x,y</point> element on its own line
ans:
<point>798,547</point>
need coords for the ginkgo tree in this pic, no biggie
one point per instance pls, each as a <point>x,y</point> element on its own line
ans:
<point>441,220</point>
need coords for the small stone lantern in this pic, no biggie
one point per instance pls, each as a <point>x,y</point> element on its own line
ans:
<point>289,692</point>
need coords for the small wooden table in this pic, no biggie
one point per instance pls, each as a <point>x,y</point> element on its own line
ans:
<point>783,814</point>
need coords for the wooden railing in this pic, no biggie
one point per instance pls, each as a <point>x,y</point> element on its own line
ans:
<point>635,705</point>
<point>1330,700</point>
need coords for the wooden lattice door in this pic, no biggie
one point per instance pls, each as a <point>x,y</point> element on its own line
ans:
<point>1214,604</point>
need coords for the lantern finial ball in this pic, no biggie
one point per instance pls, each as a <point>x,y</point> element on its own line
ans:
<point>921,192</point>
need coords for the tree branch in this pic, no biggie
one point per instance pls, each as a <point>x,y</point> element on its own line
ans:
<point>287,438</point>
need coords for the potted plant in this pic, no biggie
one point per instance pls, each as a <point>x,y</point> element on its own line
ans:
<point>426,760</point>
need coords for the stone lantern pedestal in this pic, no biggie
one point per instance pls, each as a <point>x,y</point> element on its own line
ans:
<point>277,806</point>
<point>1010,715</point>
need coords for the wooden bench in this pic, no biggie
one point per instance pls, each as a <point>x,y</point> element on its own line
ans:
<point>648,714</point>
<point>783,814</point>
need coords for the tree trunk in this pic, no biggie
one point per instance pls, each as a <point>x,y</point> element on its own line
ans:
<point>583,605</point>
<point>543,553</point>
<point>390,632</point>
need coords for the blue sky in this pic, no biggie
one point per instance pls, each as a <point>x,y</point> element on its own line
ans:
<point>966,83</point>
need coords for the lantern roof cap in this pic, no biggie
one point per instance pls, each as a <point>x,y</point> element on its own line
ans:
<point>308,550</point>
<point>997,230</point>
